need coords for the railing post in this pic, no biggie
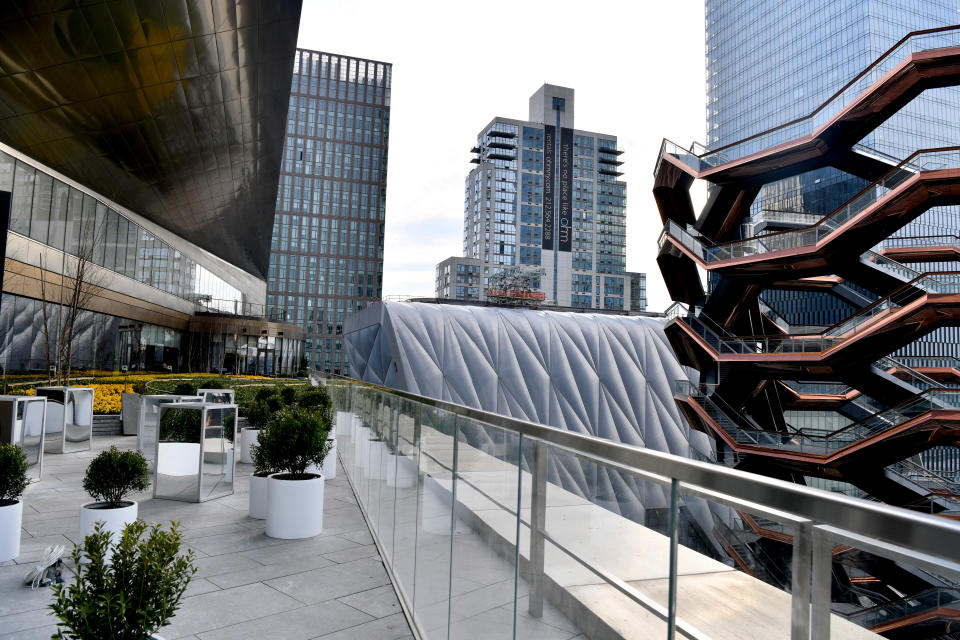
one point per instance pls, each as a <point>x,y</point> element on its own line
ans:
<point>800,587</point>
<point>538,516</point>
<point>674,538</point>
<point>822,581</point>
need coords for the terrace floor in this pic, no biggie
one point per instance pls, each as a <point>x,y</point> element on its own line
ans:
<point>330,587</point>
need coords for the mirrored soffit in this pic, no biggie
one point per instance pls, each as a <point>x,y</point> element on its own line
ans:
<point>175,109</point>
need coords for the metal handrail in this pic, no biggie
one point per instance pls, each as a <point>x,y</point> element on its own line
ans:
<point>918,532</point>
<point>839,92</point>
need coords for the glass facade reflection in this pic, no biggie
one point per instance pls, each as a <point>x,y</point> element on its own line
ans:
<point>76,222</point>
<point>326,259</point>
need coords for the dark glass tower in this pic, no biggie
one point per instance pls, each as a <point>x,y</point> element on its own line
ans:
<point>326,259</point>
<point>769,63</point>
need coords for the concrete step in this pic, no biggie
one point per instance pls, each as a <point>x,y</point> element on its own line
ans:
<point>107,425</point>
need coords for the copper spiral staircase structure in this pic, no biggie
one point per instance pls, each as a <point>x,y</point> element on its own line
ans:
<point>889,411</point>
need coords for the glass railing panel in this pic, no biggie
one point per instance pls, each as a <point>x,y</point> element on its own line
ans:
<point>403,476</point>
<point>590,527</point>
<point>728,551</point>
<point>383,459</point>
<point>436,522</point>
<point>484,568</point>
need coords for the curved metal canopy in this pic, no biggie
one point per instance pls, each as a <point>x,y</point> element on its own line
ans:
<point>175,109</point>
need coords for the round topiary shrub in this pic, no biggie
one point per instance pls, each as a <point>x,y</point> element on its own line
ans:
<point>314,398</point>
<point>13,473</point>
<point>294,439</point>
<point>113,474</point>
<point>262,394</point>
<point>288,395</point>
<point>184,389</point>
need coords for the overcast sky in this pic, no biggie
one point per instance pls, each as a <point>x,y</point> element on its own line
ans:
<point>637,68</point>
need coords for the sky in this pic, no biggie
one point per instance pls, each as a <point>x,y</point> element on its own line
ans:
<point>637,68</point>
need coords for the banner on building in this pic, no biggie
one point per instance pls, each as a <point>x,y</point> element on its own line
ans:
<point>564,220</point>
<point>549,226</point>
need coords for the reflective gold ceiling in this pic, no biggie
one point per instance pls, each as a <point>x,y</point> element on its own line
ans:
<point>175,109</point>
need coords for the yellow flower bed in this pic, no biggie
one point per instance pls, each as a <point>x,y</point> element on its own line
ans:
<point>106,397</point>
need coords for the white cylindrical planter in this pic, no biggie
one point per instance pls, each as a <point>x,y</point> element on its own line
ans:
<point>401,471</point>
<point>114,519</point>
<point>294,507</point>
<point>344,421</point>
<point>11,520</point>
<point>361,449</point>
<point>329,469</point>
<point>248,438</point>
<point>435,506</point>
<point>375,464</point>
<point>258,497</point>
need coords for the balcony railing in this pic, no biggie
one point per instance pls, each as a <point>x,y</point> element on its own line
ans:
<point>915,42</point>
<point>707,251</point>
<point>490,522</point>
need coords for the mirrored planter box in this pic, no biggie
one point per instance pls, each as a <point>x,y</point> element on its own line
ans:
<point>194,451</point>
<point>130,406</point>
<point>221,396</point>
<point>69,420</point>
<point>149,419</point>
<point>22,420</point>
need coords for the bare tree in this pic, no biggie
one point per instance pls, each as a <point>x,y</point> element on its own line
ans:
<point>71,292</point>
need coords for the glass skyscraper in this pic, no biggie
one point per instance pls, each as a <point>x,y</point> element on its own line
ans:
<point>326,259</point>
<point>769,63</point>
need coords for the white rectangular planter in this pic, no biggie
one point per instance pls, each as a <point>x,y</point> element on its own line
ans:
<point>219,396</point>
<point>130,406</point>
<point>22,422</point>
<point>195,451</point>
<point>69,419</point>
<point>149,420</point>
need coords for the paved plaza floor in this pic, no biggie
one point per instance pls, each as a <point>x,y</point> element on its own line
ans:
<point>330,587</point>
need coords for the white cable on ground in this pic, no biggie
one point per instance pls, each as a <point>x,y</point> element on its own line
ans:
<point>49,558</point>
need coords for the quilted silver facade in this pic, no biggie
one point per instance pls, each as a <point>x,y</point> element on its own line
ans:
<point>604,375</point>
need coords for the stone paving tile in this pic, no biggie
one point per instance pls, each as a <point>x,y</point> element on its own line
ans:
<point>263,572</point>
<point>379,603</point>
<point>354,553</point>
<point>390,628</point>
<point>227,607</point>
<point>331,582</point>
<point>326,616</point>
<point>37,633</point>
<point>247,584</point>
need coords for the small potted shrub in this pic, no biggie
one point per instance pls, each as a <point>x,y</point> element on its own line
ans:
<point>263,468</point>
<point>265,404</point>
<point>184,389</point>
<point>110,477</point>
<point>317,399</point>
<point>126,591</point>
<point>13,480</point>
<point>293,440</point>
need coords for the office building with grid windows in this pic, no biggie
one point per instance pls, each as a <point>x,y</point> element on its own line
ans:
<point>326,260</point>
<point>547,196</point>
